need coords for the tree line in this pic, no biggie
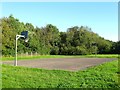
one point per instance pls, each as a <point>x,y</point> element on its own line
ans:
<point>49,40</point>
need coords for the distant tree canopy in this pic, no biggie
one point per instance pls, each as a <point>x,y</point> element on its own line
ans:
<point>48,40</point>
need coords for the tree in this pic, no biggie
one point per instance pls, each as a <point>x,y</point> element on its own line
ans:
<point>48,39</point>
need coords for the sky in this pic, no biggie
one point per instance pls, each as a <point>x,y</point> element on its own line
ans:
<point>101,17</point>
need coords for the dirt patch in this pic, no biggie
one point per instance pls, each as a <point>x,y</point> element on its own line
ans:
<point>71,64</point>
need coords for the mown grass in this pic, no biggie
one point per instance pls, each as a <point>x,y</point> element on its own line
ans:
<point>60,56</point>
<point>104,55</point>
<point>33,57</point>
<point>102,76</point>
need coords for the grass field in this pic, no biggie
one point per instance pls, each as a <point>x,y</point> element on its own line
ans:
<point>102,76</point>
<point>59,56</point>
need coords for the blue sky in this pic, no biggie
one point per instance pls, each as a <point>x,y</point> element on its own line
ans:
<point>102,17</point>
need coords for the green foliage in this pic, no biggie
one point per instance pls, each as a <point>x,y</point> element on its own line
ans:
<point>79,41</point>
<point>102,76</point>
<point>116,47</point>
<point>48,40</point>
<point>54,50</point>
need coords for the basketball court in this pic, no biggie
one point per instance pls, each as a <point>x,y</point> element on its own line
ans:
<point>70,64</point>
